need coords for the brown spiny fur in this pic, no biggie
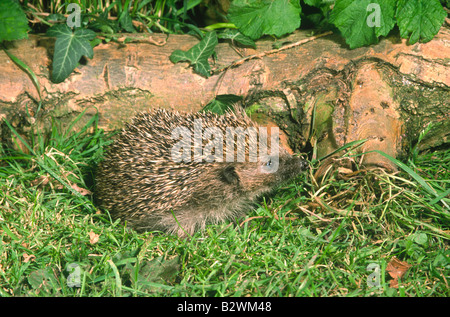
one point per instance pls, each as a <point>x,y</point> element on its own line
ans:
<point>139,182</point>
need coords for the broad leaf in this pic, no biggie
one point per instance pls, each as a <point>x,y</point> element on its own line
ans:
<point>69,48</point>
<point>236,36</point>
<point>222,103</point>
<point>13,22</point>
<point>125,22</point>
<point>362,22</point>
<point>198,54</point>
<point>420,18</point>
<point>255,18</point>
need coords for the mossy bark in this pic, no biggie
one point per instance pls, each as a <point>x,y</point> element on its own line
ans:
<point>369,99</point>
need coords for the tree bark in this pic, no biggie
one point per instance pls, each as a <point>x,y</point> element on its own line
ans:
<point>320,93</point>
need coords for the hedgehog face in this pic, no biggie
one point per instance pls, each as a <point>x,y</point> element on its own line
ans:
<point>264,175</point>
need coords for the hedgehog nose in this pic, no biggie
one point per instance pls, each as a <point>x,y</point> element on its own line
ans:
<point>302,164</point>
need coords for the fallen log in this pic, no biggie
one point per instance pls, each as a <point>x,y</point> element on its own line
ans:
<point>318,91</point>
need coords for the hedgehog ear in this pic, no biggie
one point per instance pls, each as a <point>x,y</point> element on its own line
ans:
<point>229,175</point>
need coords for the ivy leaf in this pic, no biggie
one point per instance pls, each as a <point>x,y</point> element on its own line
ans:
<point>236,36</point>
<point>69,48</point>
<point>13,22</point>
<point>198,54</point>
<point>362,22</point>
<point>125,22</point>
<point>257,17</point>
<point>420,18</point>
<point>222,103</point>
<point>44,280</point>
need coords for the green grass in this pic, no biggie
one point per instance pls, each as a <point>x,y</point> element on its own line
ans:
<point>312,238</point>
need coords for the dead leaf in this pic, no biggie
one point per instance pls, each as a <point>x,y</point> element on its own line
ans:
<point>343,170</point>
<point>27,258</point>
<point>396,270</point>
<point>93,237</point>
<point>82,191</point>
<point>40,181</point>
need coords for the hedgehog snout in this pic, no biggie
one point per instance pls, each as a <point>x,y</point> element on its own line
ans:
<point>302,164</point>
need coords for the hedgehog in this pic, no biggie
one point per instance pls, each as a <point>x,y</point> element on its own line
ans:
<point>176,172</point>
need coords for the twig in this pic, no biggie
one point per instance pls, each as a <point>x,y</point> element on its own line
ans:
<point>312,214</point>
<point>260,55</point>
<point>337,211</point>
<point>251,218</point>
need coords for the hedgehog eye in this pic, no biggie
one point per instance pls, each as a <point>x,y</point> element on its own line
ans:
<point>270,166</point>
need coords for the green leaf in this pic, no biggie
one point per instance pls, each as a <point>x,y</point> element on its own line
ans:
<point>442,260</point>
<point>158,270</point>
<point>43,279</point>
<point>420,238</point>
<point>236,36</point>
<point>255,18</point>
<point>69,48</point>
<point>420,18</point>
<point>198,54</point>
<point>362,22</point>
<point>125,21</point>
<point>222,103</point>
<point>13,22</point>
